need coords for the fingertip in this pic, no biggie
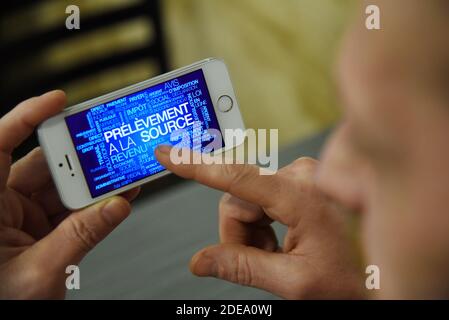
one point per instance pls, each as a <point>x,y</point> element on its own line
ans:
<point>121,202</point>
<point>192,264</point>
<point>116,209</point>
<point>37,151</point>
<point>132,194</point>
<point>203,265</point>
<point>58,97</point>
<point>162,153</point>
<point>164,148</point>
<point>56,93</point>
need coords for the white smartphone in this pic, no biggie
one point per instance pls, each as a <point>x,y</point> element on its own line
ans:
<point>105,146</point>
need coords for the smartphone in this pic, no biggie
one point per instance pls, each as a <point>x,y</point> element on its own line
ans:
<point>105,146</point>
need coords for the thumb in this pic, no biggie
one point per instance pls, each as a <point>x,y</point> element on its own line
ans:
<point>80,232</point>
<point>249,266</point>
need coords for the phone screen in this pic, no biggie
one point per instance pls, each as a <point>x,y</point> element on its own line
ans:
<point>115,141</point>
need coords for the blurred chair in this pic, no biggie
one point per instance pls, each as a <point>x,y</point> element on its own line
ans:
<point>120,42</point>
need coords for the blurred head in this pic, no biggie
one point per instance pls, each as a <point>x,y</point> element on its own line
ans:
<point>389,157</point>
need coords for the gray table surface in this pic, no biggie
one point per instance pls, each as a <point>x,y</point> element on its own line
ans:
<point>147,256</point>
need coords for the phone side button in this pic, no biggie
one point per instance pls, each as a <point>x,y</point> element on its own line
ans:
<point>225,103</point>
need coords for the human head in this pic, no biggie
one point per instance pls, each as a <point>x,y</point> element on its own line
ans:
<point>389,158</point>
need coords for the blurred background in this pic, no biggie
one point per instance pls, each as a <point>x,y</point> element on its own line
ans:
<point>280,53</point>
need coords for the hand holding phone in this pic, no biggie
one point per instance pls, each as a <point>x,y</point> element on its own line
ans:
<point>34,224</point>
<point>105,146</point>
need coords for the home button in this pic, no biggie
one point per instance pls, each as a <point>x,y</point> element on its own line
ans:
<point>225,103</point>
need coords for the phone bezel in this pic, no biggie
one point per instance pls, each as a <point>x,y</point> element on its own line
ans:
<point>56,142</point>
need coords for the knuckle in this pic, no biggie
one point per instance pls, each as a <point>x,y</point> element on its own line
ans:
<point>241,271</point>
<point>303,168</point>
<point>225,199</point>
<point>306,163</point>
<point>225,204</point>
<point>78,231</point>
<point>239,173</point>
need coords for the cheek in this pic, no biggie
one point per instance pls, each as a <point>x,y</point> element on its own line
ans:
<point>381,237</point>
<point>405,230</point>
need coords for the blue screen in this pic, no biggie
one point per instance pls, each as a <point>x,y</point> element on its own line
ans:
<point>115,141</point>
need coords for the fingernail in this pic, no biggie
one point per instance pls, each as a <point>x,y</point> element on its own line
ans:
<point>164,149</point>
<point>206,266</point>
<point>116,210</point>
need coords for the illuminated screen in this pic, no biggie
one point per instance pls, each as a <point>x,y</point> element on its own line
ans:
<point>115,141</point>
